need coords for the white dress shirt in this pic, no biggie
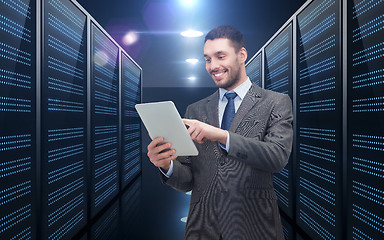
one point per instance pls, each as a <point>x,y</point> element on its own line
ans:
<point>241,91</point>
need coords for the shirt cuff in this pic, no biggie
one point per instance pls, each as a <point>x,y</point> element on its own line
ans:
<point>170,171</point>
<point>226,147</point>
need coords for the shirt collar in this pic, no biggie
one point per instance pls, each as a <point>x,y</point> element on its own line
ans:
<point>241,90</point>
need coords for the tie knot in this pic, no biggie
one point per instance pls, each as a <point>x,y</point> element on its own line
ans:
<point>230,95</point>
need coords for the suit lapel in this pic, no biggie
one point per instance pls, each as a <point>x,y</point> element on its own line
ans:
<point>211,109</point>
<point>251,98</point>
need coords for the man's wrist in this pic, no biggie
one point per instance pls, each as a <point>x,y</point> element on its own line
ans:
<point>223,137</point>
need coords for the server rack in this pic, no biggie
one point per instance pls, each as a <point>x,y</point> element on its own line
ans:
<point>254,70</point>
<point>104,119</point>
<point>278,77</point>
<point>45,135</point>
<point>63,119</point>
<point>365,135</point>
<point>18,108</point>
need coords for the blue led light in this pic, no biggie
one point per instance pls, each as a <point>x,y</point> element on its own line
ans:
<point>15,218</point>
<point>65,29</point>
<point>373,78</point>
<point>66,227</point>
<point>319,105</point>
<point>319,86</point>
<point>283,40</point>
<point>318,67</point>
<point>105,142</point>
<point>317,171</point>
<point>111,178</point>
<point>369,28</point>
<point>65,191</point>
<point>130,162</point>
<point>320,192</point>
<point>68,170</point>
<point>132,154</point>
<point>69,15</point>
<point>130,127</point>
<point>280,183</point>
<point>64,134</point>
<point>368,218</point>
<point>279,70</point>
<point>105,44</point>
<point>105,155</point>
<point>132,70</point>
<point>132,86</point>
<point>65,68</point>
<point>320,28</point>
<point>15,167</point>
<point>373,194</point>
<point>131,173</point>
<point>283,199</point>
<point>25,234</point>
<point>365,8</point>
<point>319,48</point>
<point>357,234</point>
<point>106,168</point>
<point>18,7</point>
<point>316,12</point>
<point>320,230</point>
<point>369,54</point>
<point>106,110</point>
<point>105,195</point>
<point>15,79</point>
<point>67,50</point>
<point>63,86</point>
<point>105,97</point>
<point>133,78</point>
<point>15,29</point>
<point>318,209</point>
<point>105,84</point>
<point>15,192</point>
<point>65,209</point>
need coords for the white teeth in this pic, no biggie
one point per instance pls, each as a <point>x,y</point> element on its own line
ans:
<point>218,74</point>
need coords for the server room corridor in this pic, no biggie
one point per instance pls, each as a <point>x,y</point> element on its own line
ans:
<point>73,150</point>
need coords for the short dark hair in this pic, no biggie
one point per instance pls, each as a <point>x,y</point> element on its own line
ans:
<point>227,32</point>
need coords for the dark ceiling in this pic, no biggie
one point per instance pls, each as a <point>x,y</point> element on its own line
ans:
<point>161,50</point>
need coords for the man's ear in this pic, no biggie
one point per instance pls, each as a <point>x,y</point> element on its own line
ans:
<point>243,55</point>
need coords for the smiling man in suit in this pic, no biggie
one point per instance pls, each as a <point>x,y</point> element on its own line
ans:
<point>243,134</point>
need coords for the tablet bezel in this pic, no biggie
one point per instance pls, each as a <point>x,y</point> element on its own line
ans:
<point>161,119</point>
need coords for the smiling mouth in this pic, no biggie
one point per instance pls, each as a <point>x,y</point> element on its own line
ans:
<point>219,74</point>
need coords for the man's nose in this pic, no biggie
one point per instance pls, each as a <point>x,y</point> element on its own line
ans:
<point>214,65</point>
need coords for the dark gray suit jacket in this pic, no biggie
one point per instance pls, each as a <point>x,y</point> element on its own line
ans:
<point>232,193</point>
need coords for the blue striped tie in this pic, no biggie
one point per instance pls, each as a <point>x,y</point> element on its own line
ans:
<point>229,111</point>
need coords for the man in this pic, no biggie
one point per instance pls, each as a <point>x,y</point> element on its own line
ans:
<point>232,177</point>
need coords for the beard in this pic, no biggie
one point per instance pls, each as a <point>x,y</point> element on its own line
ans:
<point>231,80</point>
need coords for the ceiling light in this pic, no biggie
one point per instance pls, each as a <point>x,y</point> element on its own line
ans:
<point>191,33</point>
<point>130,38</point>
<point>192,60</point>
<point>184,219</point>
<point>187,3</point>
<point>192,78</point>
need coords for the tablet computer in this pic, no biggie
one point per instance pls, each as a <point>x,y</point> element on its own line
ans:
<point>161,119</point>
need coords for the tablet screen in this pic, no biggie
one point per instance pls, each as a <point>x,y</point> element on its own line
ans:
<point>161,119</point>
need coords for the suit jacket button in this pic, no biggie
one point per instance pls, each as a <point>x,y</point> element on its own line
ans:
<point>222,162</point>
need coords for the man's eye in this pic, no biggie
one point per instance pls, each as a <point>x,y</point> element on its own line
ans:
<point>221,57</point>
<point>208,60</point>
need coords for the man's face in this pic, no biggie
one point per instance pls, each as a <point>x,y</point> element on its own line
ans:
<point>223,63</point>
